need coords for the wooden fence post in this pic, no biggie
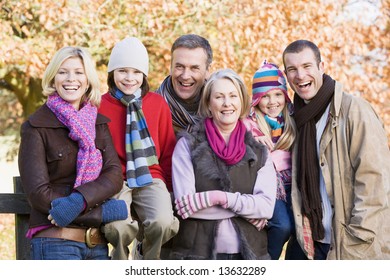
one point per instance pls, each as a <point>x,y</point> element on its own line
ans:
<point>16,203</point>
<point>21,224</point>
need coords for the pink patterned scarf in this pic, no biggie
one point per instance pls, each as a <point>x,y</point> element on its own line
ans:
<point>81,125</point>
<point>235,150</point>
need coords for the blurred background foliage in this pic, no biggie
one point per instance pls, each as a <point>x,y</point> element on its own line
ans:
<point>353,36</point>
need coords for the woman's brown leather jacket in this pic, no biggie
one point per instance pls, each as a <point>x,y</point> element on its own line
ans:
<point>47,166</point>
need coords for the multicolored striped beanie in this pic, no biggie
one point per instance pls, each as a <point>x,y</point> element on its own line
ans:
<point>266,78</point>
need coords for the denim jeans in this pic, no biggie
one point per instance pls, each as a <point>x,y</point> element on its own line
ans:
<point>45,248</point>
<point>280,227</point>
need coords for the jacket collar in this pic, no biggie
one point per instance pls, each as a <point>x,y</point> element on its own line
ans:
<point>44,117</point>
<point>335,111</point>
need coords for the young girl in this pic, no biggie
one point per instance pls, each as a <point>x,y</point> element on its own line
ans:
<point>143,136</point>
<point>271,123</point>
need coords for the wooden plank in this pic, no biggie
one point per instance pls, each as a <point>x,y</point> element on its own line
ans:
<point>21,227</point>
<point>14,203</point>
<point>21,241</point>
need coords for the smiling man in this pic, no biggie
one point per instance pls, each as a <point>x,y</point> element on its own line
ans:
<point>341,165</point>
<point>191,57</point>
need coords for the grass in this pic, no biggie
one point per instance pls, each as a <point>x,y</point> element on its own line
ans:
<point>7,237</point>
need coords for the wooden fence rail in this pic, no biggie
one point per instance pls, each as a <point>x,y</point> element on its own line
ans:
<point>16,203</point>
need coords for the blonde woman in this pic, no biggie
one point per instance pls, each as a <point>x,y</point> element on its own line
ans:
<point>68,165</point>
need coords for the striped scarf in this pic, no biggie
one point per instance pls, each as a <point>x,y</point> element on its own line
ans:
<point>283,176</point>
<point>276,125</point>
<point>283,180</point>
<point>140,149</point>
<point>182,115</point>
<point>81,125</point>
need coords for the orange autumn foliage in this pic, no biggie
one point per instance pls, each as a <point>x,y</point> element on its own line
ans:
<point>242,33</point>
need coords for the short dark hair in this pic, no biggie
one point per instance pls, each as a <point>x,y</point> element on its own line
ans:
<point>193,41</point>
<point>112,87</point>
<point>298,45</point>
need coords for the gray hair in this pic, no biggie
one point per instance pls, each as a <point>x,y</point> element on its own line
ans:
<point>193,41</point>
<point>229,75</point>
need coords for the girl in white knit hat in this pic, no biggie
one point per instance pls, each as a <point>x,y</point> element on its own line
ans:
<point>143,136</point>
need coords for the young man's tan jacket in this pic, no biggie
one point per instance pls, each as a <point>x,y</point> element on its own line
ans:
<point>354,158</point>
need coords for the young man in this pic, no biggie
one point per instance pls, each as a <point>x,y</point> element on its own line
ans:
<point>341,165</point>
<point>191,57</point>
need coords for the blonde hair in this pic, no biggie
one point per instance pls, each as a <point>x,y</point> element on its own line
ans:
<point>287,138</point>
<point>93,92</point>
<point>232,76</point>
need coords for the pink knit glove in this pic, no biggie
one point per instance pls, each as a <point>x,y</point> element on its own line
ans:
<point>258,223</point>
<point>191,203</point>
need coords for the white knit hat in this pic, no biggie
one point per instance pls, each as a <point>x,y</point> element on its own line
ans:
<point>130,52</point>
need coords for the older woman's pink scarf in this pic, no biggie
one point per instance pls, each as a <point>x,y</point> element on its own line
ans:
<point>235,150</point>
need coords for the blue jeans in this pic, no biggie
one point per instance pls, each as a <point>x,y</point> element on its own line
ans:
<point>45,248</point>
<point>279,228</point>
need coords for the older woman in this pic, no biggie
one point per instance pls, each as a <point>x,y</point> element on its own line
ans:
<point>223,180</point>
<point>68,165</point>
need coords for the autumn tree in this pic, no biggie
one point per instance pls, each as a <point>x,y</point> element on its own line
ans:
<point>242,33</point>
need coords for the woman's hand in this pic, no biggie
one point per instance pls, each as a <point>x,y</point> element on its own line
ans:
<point>65,209</point>
<point>191,203</point>
<point>114,210</point>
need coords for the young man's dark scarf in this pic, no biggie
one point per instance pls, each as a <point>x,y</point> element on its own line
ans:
<point>306,117</point>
